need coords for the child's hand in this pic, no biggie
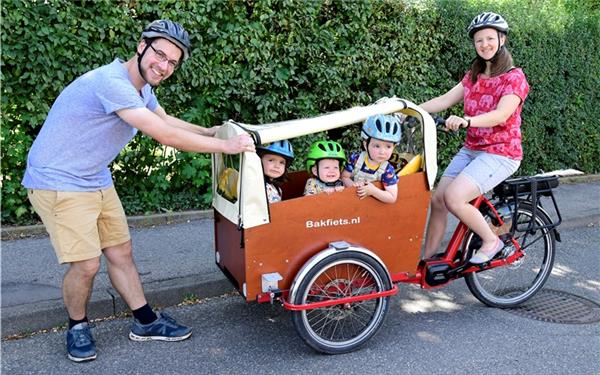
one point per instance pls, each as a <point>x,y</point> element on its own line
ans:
<point>365,190</point>
<point>329,190</point>
<point>339,188</point>
<point>358,183</point>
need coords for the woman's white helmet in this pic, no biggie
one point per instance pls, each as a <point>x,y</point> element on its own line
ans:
<point>485,20</point>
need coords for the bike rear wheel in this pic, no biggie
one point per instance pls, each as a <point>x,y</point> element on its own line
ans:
<point>341,328</point>
<point>513,284</point>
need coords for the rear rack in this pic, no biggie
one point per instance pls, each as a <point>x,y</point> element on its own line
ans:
<point>526,185</point>
<point>529,189</point>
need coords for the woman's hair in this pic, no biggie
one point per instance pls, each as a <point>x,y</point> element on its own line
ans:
<point>501,63</point>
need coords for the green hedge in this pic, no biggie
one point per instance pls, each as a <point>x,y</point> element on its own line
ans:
<point>265,60</point>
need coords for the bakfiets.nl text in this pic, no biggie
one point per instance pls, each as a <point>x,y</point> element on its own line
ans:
<point>332,222</point>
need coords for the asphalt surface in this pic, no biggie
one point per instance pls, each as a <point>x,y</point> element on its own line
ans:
<point>175,257</point>
<point>426,331</point>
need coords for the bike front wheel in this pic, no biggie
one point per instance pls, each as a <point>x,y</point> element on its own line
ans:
<point>512,284</point>
<point>341,328</point>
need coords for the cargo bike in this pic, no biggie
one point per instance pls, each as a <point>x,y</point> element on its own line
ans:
<point>335,260</point>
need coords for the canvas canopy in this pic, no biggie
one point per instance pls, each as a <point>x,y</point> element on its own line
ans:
<point>244,201</point>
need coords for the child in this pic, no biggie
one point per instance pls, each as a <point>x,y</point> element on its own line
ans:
<point>276,158</point>
<point>325,160</point>
<point>380,133</point>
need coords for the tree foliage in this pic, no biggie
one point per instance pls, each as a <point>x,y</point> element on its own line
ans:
<point>272,60</point>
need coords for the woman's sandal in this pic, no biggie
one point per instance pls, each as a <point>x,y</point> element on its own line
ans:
<point>483,257</point>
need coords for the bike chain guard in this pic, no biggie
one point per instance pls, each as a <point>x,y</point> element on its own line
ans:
<point>441,271</point>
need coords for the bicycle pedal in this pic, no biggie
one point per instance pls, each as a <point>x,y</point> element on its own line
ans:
<point>505,238</point>
<point>507,251</point>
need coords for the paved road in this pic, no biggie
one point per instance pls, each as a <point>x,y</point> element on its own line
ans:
<point>442,331</point>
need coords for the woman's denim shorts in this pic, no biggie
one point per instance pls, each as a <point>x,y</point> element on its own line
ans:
<point>484,169</point>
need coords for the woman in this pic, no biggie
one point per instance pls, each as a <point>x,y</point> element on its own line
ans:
<point>493,92</point>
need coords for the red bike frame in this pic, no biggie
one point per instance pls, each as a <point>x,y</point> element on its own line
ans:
<point>459,267</point>
<point>456,267</point>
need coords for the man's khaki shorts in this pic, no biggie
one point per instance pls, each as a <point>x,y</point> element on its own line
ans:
<point>81,224</point>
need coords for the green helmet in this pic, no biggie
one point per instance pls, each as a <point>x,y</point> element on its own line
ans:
<point>324,150</point>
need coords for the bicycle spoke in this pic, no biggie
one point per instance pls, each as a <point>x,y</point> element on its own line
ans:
<point>347,325</point>
<point>509,285</point>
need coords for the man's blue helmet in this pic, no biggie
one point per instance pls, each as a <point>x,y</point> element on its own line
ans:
<point>383,127</point>
<point>282,148</point>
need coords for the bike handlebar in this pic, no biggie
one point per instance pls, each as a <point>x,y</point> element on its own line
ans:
<point>440,124</point>
<point>412,122</point>
<point>439,121</point>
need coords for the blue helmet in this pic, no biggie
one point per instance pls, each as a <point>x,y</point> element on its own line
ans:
<point>282,148</point>
<point>382,127</point>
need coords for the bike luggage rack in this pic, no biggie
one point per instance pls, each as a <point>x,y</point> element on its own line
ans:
<point>528,189</point>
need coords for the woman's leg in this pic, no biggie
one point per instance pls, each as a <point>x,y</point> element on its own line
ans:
<point>457,197</point>
<point>437,218</point>
<point>481,175</point>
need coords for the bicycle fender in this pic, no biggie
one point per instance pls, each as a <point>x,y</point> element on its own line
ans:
<point>334,248</point>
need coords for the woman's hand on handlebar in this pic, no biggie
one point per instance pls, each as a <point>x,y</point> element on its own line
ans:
<point>455,122</point>
<point>452,123</point>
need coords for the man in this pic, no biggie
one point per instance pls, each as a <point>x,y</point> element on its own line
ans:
<point>70,185</point>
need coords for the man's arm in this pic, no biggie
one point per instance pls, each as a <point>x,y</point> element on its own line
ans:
<point>174,121</point>
<point>156,127</point>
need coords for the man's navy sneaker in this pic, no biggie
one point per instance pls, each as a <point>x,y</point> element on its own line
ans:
<point>80,343</point>
<point>164,328</point>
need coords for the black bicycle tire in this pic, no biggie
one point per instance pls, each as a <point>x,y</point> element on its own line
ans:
<point>300,320</point>
<point>549,239</point>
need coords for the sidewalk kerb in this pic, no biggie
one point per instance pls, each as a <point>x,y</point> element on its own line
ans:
<point>13,233</point>
<point>107,302</point>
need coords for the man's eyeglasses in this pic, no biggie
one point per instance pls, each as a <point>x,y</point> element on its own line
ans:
<point>160,55</point>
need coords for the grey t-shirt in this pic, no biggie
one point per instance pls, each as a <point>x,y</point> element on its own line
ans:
<point>82,133</point>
